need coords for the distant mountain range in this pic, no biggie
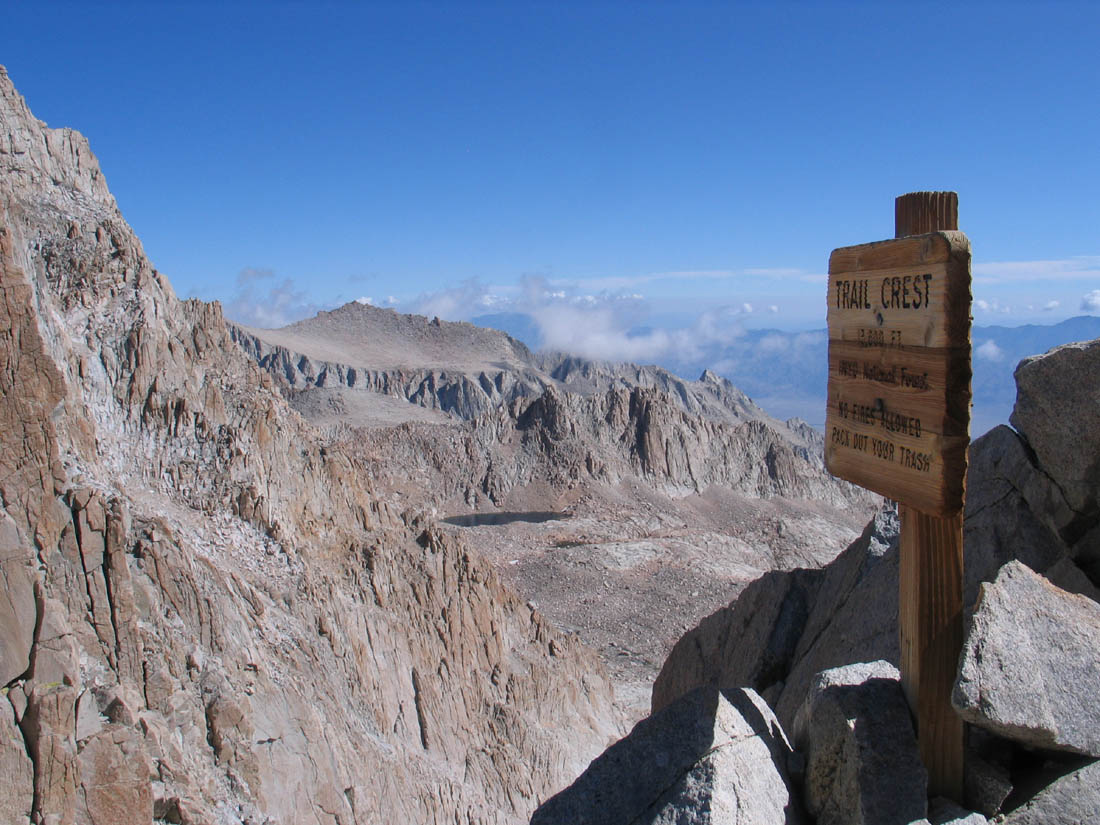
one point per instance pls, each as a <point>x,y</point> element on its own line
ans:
<point>785,372</point>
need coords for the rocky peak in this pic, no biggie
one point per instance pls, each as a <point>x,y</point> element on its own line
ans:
<point>39,157</point>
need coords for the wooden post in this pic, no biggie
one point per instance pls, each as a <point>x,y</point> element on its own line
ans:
<point>930,594</point>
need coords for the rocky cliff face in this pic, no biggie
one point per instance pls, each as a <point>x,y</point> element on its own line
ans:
<point>206,615</point>
<point>462,390</point>
<point>562,438</point>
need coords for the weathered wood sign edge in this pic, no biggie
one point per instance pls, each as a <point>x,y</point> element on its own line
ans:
<point>897,420</point>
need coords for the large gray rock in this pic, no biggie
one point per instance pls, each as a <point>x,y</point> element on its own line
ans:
<point>751,642</point>
<point>712,756</point>
<point>1030,667</point>
<point>1067,445</point>
<point>945,812</point>
<point>855,615</point>
<point>1073,799</point>
<point>862,762</point>
<point>1013,512</point>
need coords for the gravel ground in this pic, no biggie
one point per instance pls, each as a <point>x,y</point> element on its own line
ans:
<point>629,570</point>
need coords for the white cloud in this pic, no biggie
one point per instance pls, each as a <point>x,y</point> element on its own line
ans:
<point>365,299</point>
<point>262,302</point>
<point>455,304</point>
<point>610,326</point>
<point>993,306</point>
<point>811,339</point>
<point>989,351</point>
<point>774,343</point>
<point>603,324</point>
<point>1091,302</point>
<point>1051,305</point>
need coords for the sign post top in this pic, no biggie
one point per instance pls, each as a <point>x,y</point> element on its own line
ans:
<point>919,212</point>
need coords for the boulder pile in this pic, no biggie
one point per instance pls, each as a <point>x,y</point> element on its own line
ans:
<point>803,662</point>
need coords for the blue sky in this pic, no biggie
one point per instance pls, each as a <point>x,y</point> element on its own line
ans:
<point>666,165</point>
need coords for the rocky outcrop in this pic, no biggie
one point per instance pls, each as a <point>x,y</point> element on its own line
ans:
<point>17,606</point>
<point>712,756</point>
<point>1064,445</point>
<point>751,642</point>
<point>1071,799</point>
<point>862,764</point>
<point>17,769</point>
<point>711,396</point>
<point>563,438</point>
<point>464,394</point>
<point>225,623</point>
<point>794,625</point>
<point>1029,664</point>
<point>1008,500</point>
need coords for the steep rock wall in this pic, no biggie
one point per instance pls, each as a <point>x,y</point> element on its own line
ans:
<point>207,615</point>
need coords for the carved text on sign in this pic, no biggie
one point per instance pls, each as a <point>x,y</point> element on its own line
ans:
<point>899,382</point>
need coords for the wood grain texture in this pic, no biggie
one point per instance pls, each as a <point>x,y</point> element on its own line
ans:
<point>930,615</point>
<point>916,213</point>
<point>927,249</point>
<point>884,466</point>
<point>933,383</point>
<point>899,341</point>
<point>896,301</point>
<point>931,570</point>
<point>945,255</point>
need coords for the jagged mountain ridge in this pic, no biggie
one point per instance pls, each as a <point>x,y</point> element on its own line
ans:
<point>516,419</point>
<point>467,371</point>
<point>209,615</point>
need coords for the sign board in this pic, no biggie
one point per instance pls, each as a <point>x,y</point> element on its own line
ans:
<point>898,415</point>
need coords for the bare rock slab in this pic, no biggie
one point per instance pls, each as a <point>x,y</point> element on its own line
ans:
<point>16,768</point>
<point>945,812</point>
<point>711,756</point>
<point>1030,665</point>
<point>862,762</point>
<point>1067,446</point>
<point>1072,800</point>
<point>17,605</point>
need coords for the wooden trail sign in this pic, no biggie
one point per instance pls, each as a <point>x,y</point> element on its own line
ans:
<point>899,368</point>
<point>897,422</point>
